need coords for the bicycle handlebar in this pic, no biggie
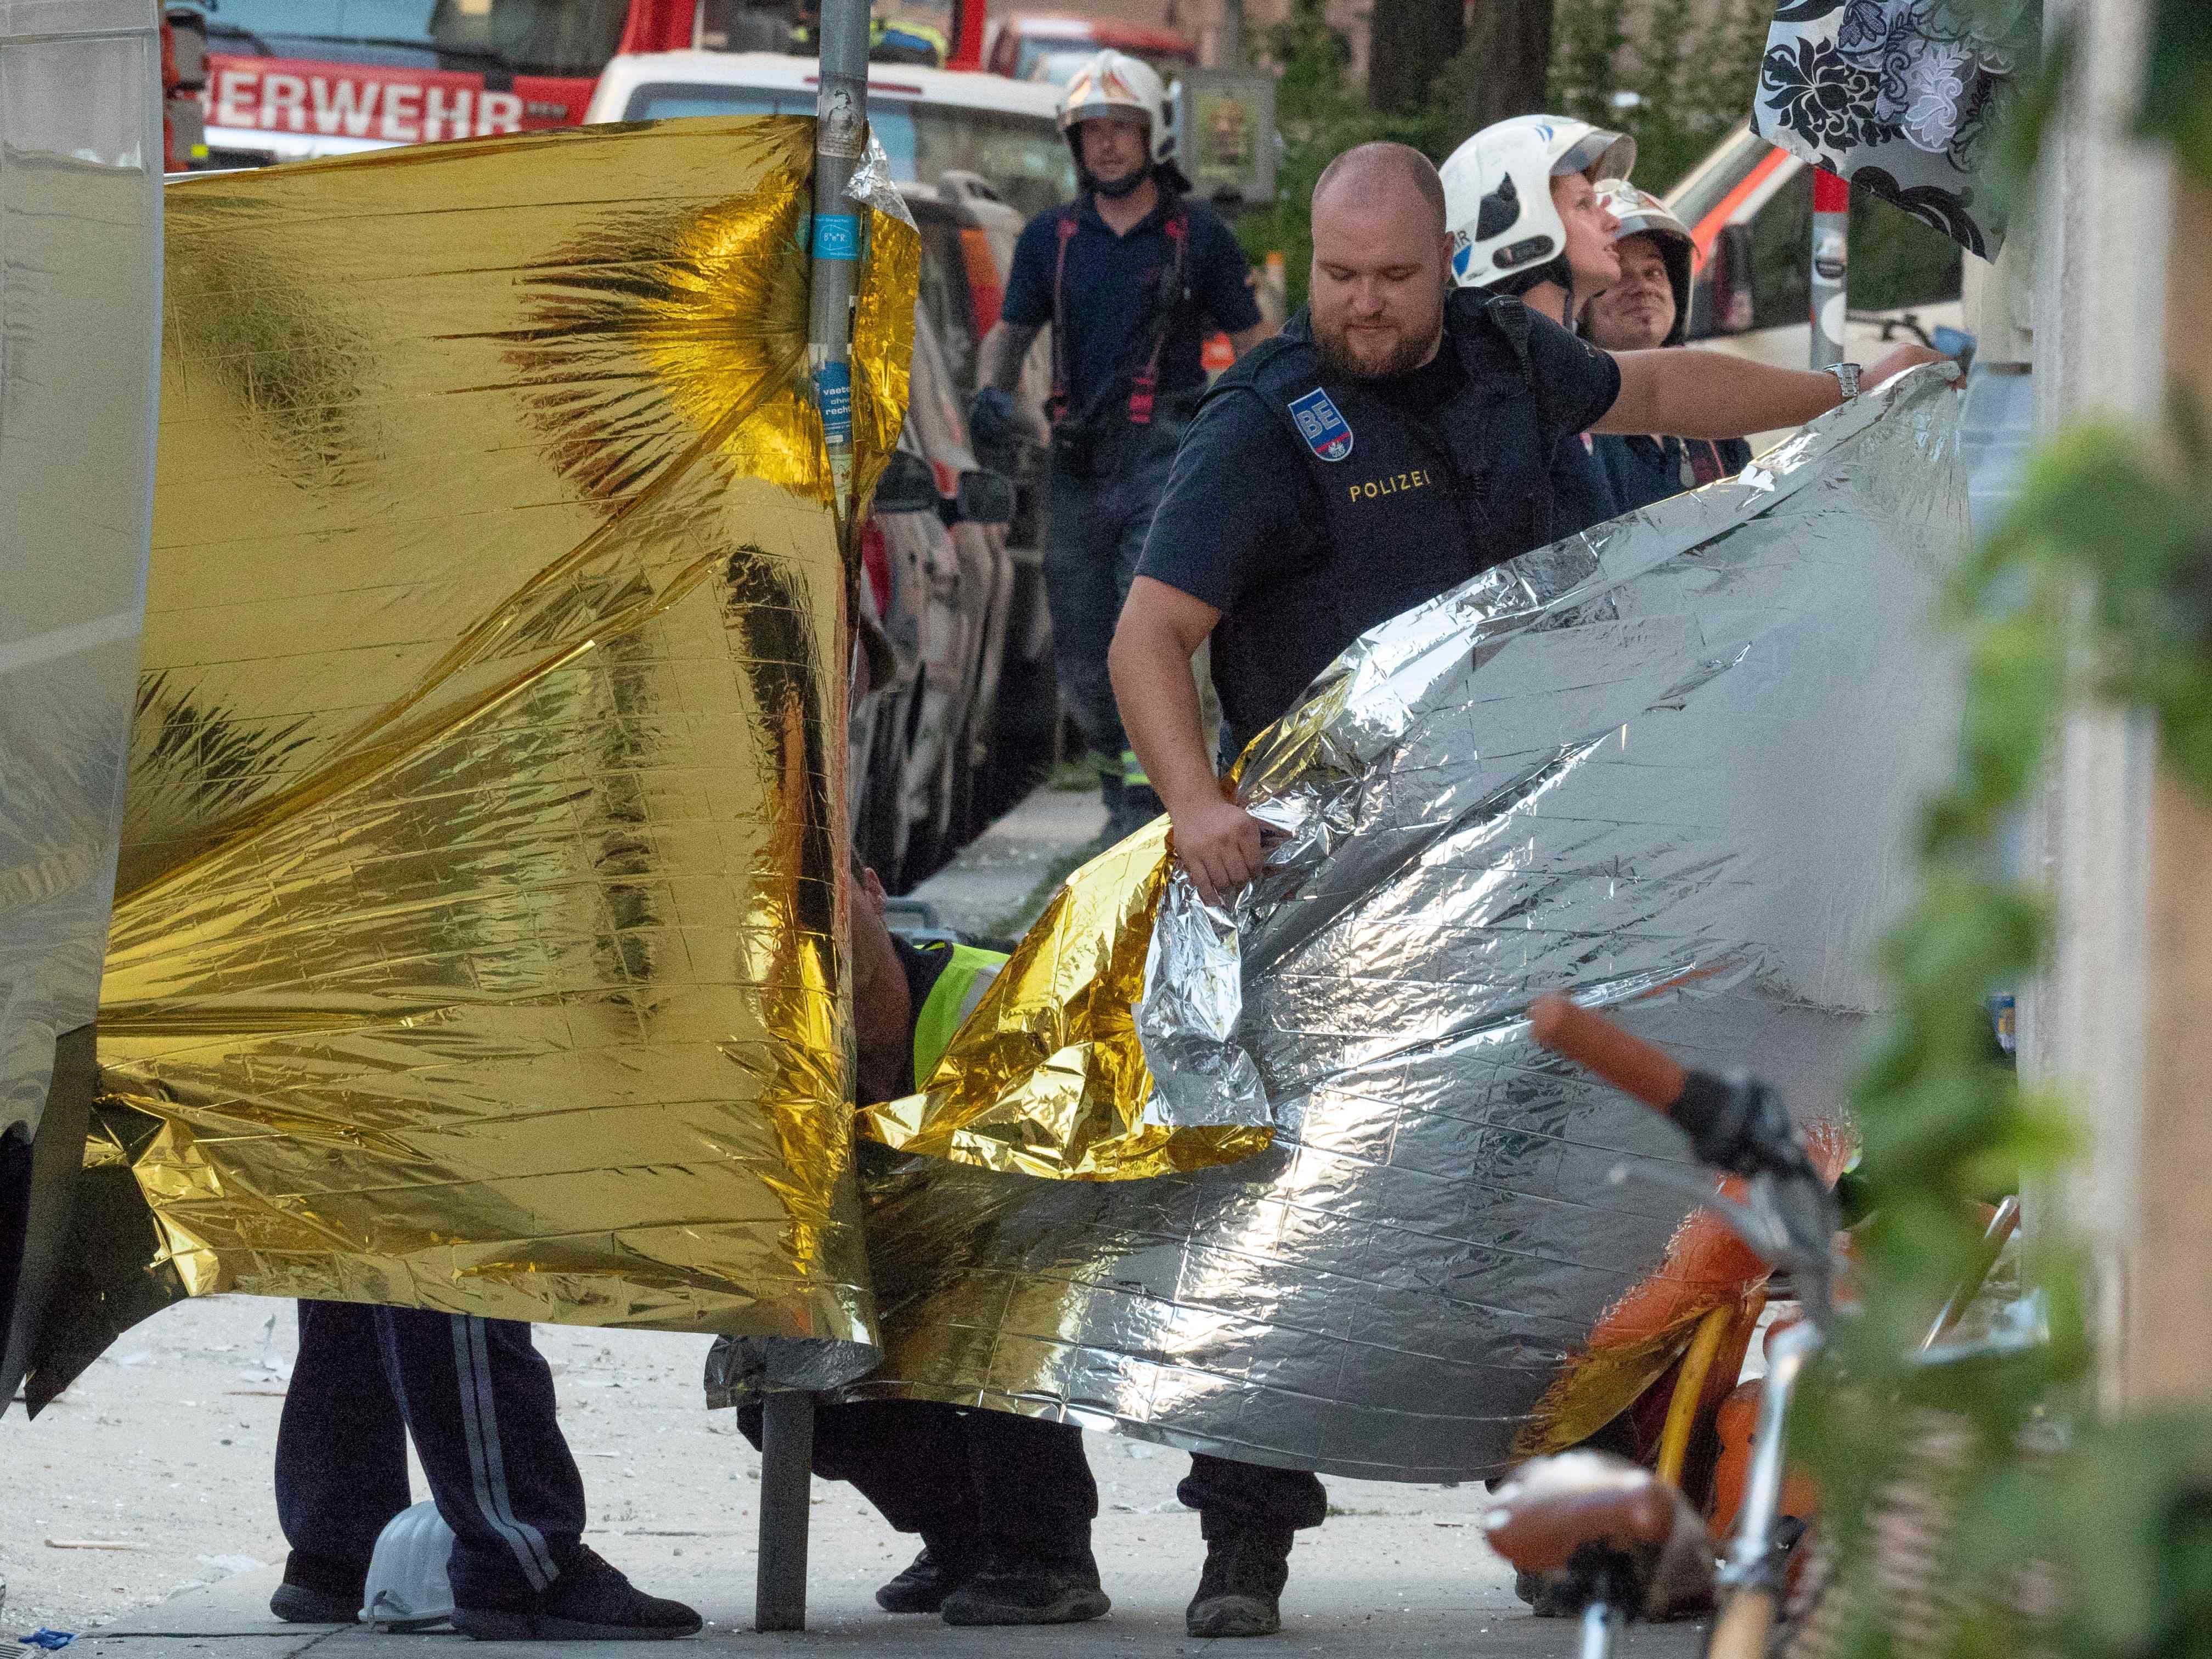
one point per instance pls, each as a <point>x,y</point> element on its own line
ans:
<point>1635,1067</point>
<point>1740,1125</point>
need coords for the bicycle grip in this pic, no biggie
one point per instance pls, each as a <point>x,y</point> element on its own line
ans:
<point>1629,1063</point>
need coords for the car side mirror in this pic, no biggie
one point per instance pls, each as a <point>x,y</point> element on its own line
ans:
<point>986,498</point>
<point>909,485</point>
<point>1728,297</point>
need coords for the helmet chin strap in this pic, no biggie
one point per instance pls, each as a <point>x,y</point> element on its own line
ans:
<point>1126,186</point>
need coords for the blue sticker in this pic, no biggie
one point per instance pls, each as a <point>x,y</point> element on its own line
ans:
<point>1320,426</point>
<point>833,390</point>
<point>836,236</point>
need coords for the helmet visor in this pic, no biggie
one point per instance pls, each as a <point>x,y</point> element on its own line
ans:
<point>1599,153</point>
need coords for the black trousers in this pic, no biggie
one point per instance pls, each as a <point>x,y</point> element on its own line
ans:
<point>1019,1483</point>
<point>477,1399</point>
<point>1232,1497</point>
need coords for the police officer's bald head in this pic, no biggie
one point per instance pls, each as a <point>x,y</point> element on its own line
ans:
<point>1367,171</point>
<point>1379,261</point>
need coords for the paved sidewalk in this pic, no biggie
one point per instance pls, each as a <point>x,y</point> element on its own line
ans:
<point>990,891</point>
<point>1341,1605</point>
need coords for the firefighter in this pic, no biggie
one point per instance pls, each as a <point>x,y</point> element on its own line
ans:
<point>1648,307</point>
<point>1129,275</point>
<point>1003,1504</point>
<point>1395,439</point>
<point>1554,169</point>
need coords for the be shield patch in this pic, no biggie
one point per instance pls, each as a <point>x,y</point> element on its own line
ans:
<point>1322,428</point>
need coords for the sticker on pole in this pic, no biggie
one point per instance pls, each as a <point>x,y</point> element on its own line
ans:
<point>843,130</point>
<point>836,236</point>
<point>833,390</point>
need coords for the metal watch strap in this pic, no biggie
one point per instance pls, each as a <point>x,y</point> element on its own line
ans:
<point>1847,378</point>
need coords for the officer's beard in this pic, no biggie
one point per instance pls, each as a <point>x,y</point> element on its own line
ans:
<point>1334,345</point>
<point>1115,190</point>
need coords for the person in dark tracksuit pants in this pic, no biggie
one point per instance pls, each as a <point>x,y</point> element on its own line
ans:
<point>1003,1504</point>
<point>477,1400</point>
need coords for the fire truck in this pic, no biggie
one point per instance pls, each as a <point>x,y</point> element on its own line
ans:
<point>253,82</point>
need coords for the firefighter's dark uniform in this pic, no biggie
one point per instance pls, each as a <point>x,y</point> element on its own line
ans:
<point>1129,314</point>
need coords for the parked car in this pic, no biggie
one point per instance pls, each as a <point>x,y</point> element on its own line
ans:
<point>970,722</point>
<point>928,121</point>
<point>1049,47</point>
<point>1749,207</point>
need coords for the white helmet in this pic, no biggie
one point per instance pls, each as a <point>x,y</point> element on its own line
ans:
<point>1113,81</point>
<point>1506,234</point>
<point>1643,214</point>
<point>407,1586</point>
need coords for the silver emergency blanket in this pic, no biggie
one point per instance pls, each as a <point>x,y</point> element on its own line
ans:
<point>1670,766</point>
<point>79,283</point>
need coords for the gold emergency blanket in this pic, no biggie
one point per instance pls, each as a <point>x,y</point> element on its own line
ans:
<point>477,937</point>
<point>1670,765</point>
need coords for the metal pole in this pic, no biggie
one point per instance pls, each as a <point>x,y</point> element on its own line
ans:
<point>786,1484</point>
<point>1831,260</point>
<point>1229,49</point>
<point>841,108</point>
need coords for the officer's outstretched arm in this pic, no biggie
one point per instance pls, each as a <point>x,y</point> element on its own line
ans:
<point>1708,394</point>
<point>1219,843</point>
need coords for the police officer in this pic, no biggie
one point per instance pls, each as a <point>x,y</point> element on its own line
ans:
<point>1648,307</point>
<point>1394,441</point>
<point>1003,1504</point>
<point>1127,275</point>
<point>1554,168</point>
<point>477,1400</point>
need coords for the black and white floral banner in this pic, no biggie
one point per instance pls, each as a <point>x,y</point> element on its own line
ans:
<point>1899,96</point>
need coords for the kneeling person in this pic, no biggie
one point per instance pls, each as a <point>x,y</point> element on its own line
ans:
<point>1003,1504</point>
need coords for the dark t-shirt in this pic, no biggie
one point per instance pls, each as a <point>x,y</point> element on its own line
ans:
<point>1242,527</point>
<point>1582,493</point>
<point>1113,286</point>
<point>1643,469</point>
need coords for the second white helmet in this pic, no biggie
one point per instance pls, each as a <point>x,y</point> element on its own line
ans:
<point>1643,214</point>
<point>1111,82</point>
<point>1498,195</point>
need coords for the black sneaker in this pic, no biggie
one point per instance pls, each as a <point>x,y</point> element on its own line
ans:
<point>931,1576</point>
<point>303,1604</point>
<point>1028,1590</point>
<point>319,1591</point>
<point>1239,1592</point>
<point>590,1601</point>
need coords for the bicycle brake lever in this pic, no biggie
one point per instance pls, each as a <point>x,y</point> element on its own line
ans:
<point>1789,1223</point>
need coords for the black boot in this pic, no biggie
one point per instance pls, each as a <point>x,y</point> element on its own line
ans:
<point>1021,1588</point>
<point>319,1589</point>
<point>944,1565</point>
<point>1239,1592</point>
<point>590,1601</point>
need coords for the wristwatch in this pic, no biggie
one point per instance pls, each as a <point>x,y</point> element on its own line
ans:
<point>1847,377</point>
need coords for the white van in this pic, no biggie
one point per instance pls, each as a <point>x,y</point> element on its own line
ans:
<point>1749,207</point>
<point>930,122</point>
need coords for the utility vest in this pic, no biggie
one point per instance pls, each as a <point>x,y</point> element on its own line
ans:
<point>1415,503</point>
<point>958,988</point>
